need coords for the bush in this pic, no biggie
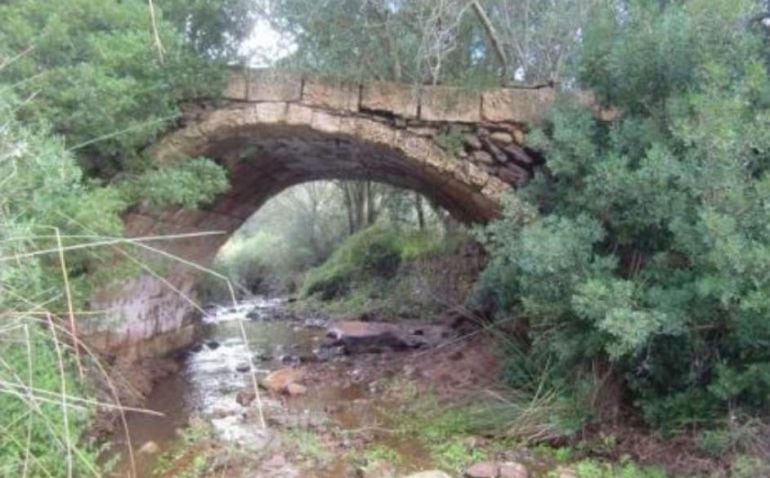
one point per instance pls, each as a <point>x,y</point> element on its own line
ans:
<point>371,253</point>
<point>645,247</point>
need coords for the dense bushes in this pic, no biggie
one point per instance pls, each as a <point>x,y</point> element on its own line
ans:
<point>371,253</point>
<point>644,249</point>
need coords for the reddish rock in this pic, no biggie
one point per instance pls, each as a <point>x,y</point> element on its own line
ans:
<point>278,380</point>
<point>295,389</point>
<point>483,469</point>
<point>513,470</point>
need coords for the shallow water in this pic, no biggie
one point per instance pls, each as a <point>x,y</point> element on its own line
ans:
<point>213,371</point>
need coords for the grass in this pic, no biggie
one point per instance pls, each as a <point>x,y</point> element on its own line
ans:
<point>185,459</point>
<point>306,444</point>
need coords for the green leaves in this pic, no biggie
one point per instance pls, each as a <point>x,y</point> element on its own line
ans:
<point>186,183</point>
<point>91,71</point>
<point>650,246</point>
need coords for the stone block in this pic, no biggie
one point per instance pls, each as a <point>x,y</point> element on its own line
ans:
<point>325,122</point>
<point>299,115</point>
<point>517,104</point>
<point>274,85</point>
<point>375,131</point>
<point>395,98</point>
<point>271,112</point>
<point>446,103</point>
<point>237,87</point>
<point>331,94</point>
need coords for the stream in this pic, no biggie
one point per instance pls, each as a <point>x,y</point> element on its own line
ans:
<point>216,368</point>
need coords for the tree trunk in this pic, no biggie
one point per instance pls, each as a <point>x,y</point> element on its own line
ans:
<point>420,211</point>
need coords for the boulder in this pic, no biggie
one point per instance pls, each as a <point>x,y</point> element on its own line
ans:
<point>149,448</point>
<point>278,380</point>
<point>512,469</point>
<point>295,389</point>
<point>429,474</point>
<point>366,337</point>
<point>483,469</point>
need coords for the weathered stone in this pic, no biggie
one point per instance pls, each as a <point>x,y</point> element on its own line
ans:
<point>429,474</point>
<point>513,470</point>
<point>517,105</point>
<point>149,448</point>
<point>513,174</point>
<point>517,154</point>
<point>299,114</point>
<point>274,85</point>
<point>375,132</point>
<point>518,136</point>
<point>564,472</point>
<point>271,112</point>
<point>331,94</point>
<point>477,176</point>
<point>237,87</point>
<point>395,98</point>
<point>501,137</point>
<point>484,469</point>
<point>295,389</point>
<point>365,337</point>
<point>446,103</point>
<point>483,157</point>
<point>278,380</point>
<point>325,122</point>
<point>472,141</point>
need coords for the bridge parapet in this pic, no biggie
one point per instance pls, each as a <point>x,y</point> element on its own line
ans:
<point>521,105</point>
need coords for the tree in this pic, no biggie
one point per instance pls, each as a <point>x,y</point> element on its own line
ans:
<point>469,42</point>
<point>94,72</point>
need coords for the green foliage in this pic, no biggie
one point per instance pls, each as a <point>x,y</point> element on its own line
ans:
<point>645,246</point>
<point>452,139</point>
<point>43,192</point>
<point>373,252</point>
<point>596,469</point>
<point>92,70</point>
<point>214,28</point>
<point>187,183</point>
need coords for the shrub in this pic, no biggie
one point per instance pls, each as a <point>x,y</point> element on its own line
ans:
<point>371,253</point>
<point>645,246</point>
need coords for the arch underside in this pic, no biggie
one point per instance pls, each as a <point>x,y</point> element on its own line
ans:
<point>266,159</point>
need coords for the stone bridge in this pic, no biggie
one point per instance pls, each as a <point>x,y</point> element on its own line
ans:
<point>273,129</point>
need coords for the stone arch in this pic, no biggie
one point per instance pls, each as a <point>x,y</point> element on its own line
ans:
<point>273,129</point>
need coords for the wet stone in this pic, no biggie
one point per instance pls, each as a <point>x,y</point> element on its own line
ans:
<point>212,344</point>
